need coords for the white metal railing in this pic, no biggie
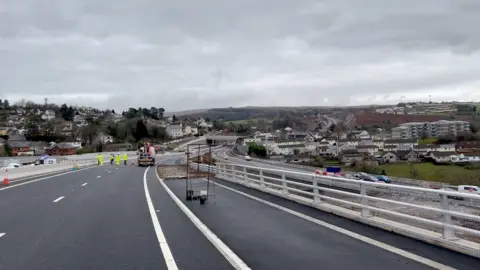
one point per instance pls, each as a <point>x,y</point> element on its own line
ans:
<point>455,228</point>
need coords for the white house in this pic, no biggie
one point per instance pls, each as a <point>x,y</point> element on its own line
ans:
<point>104,138</point>
<point>48,115</point>
<point>190,131</point>
<point>175,131</point>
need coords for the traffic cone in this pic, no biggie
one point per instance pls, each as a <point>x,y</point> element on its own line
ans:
<point>6,182</point>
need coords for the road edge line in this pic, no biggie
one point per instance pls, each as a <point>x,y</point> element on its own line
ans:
<point>231,257</point>
<point>354,235</point>
<point>162,241</point>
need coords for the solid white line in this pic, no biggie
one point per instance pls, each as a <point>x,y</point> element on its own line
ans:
<point>357,236</point>
<point>58,199</point>
<point>167,254</point>
<point>84,184</point>
<point>231,257</point>
<point>2,234</point>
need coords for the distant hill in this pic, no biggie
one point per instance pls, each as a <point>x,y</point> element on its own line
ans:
<point>251,112</point>
<point>181,113</point>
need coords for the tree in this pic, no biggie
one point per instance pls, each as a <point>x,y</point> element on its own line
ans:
<point>6,104</point>
<point>113,111</point>
<point>161,111</point>
<point>140,131</point>
<point>174,119</point>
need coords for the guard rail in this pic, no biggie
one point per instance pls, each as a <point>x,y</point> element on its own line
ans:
<point>406,181</point>
<point>436,223</point>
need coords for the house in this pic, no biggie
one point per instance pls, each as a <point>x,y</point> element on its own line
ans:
<point>424,149</point>
<point>369,149</point>
<point>468,145</point>
<point>351,158</point>
<point>175,131</point>
<point>16,137</point>
<point>397,142</point>
<point>61,149</point>
<point>190,131</point>
<point>104,138</point>
<point>20,148</point>
<point>466,157</point>
<point>3,131</point>
<point>48,115</point>
<point>291,149</point>
<point>407,155</point>
<point>38,148</point>
<point>442,157</point>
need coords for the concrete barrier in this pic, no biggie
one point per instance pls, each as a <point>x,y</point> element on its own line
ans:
<point>29,171</point>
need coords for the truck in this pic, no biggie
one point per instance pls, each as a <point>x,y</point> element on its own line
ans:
<point>145,159</point>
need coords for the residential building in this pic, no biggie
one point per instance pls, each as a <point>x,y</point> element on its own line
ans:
<point>3,131</point>
<point>20,148</point>
<point>48,115</point>
<point>104,138</point>
<point>175,131</point>
<point>38,148</point>
<point>430,129</point>
<point>190,131</point>
<point>61,149</point>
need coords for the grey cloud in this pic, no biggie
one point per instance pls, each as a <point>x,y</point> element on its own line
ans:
<point>196,54</point>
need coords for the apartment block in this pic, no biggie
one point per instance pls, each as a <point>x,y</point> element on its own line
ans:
<point>430,129</point>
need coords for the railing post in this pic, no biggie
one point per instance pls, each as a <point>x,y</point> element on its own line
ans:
<point>284,184</point>
<point>364,201</point>
<point>245,176</point>
<point>448,232</point>
<point>316,199</point>
<point>262,181</point>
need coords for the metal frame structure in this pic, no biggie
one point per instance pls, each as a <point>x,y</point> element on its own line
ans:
<point>200,191</point>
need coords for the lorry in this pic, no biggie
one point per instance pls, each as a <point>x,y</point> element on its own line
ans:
<point>145,159</point>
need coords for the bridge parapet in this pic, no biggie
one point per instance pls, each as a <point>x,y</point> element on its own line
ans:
<point>445,218</point>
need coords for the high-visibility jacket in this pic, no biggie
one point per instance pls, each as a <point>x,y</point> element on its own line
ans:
<point>125,157</point>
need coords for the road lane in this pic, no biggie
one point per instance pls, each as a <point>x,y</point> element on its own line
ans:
<point>105,225</point>
<point>268,238</point>
<point>189,246</point>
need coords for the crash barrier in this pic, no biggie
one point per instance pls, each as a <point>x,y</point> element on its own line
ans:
<point>306,168</point>
<point>435,219</point>
<point>28,171</point>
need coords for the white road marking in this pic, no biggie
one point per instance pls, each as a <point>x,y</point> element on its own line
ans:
<point>167,254</point>
<point>98,176</point>
<point>357,236</point>
<point>84,184</point>
<point>231,257</point>
<point>58,199</point>
<point>39,179</point>
<point>109,171</point>
<point>2,234</point>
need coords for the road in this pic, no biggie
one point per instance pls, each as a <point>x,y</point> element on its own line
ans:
<point>125,218</point>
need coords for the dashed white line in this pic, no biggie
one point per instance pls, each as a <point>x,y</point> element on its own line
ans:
<point>99,176</point>
<point>58,199</point>
<point>167,254</point>
<point>357,236</point>
<point>2,234</point>
<point>84,184</point>
<point>109,171</point>
<point>231,257</point>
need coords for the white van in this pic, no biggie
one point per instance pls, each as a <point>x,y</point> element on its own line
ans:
<point>248,158</point>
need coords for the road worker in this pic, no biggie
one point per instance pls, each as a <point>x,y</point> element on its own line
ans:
<point>112,157</point>
<point>100,160</point>
<point>125,158</point>
<point>117,159</point>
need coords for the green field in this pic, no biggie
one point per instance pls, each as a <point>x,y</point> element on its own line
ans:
<point>427,141</point>
<point>451,174</point>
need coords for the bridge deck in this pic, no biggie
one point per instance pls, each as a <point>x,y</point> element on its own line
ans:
<point>269,238</point>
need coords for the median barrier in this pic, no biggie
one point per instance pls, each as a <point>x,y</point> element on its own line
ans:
<point>439,222</point>
<point>29,171</point>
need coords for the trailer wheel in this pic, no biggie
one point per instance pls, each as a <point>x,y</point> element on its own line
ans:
<point>202,200</point>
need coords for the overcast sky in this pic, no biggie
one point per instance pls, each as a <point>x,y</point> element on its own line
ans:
<point>218,53</point>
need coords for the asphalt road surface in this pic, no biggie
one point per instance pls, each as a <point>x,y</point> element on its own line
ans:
<point>109,218</point>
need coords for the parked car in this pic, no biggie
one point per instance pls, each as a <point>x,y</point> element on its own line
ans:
<point>383,178</point>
